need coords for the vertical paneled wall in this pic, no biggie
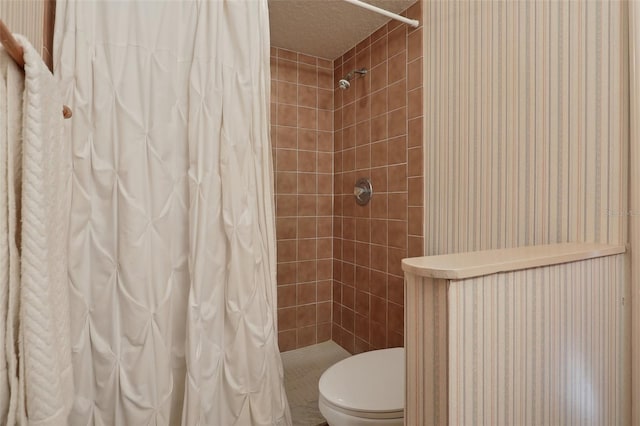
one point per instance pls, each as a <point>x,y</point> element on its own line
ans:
<point>427,351</point>
<point>25,17</point>
<point>541,346</point>
<point>526,123</point>
<point>378,134</point>
<point>302,140</point>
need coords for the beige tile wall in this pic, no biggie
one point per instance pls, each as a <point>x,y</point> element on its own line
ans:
<point>302,140</point>
<point>378,134</point>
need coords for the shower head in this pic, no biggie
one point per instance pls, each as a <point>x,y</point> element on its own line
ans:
<point>344,83</point>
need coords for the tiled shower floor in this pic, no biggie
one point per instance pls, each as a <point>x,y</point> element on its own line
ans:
<point>302,370</point>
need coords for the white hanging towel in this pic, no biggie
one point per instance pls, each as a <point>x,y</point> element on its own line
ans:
<point>11,92</point>
<point>36,384</point>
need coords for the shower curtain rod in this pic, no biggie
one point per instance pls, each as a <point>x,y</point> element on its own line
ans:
<point>17,54</point>
<point>413,22</point>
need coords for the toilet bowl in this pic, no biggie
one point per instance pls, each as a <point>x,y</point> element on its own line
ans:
<point>364,390</point>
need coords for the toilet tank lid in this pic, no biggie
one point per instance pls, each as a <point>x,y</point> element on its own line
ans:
<point>368,382</point>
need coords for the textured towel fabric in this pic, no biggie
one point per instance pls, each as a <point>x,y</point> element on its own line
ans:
<point>11,92</point>
<point>35,310</point>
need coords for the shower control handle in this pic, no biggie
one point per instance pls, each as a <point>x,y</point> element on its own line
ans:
<point>363,191</point>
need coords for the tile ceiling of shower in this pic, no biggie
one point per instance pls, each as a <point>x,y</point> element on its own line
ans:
<point>325,28</point>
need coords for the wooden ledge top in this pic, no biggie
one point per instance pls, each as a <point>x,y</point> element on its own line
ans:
<point>478,263</point>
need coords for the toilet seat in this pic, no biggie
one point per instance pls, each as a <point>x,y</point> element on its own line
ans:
<point>369,385</point>
<point>361,414</point>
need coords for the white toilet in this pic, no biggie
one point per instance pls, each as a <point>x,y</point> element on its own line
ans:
<point>364,390</point>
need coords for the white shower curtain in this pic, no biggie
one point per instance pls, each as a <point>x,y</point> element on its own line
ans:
<point>172,247</point>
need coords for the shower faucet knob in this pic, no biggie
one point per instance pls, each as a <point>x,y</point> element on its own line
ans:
<point>363,191</point>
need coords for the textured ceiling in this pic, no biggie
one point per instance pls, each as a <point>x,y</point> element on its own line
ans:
<point>325,28</point>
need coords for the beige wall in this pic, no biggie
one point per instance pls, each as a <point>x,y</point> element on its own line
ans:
<point>541,346</point>
<point>634,202</point>
<point>24,17</point>
<point>526,131</point>
<point>545,345</point>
